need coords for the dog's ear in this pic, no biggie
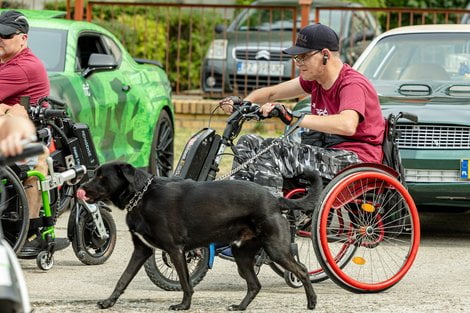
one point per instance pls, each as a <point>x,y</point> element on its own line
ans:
<point>128,171</point>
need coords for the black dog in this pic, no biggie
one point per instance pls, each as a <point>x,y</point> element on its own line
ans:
<point>178,215</point>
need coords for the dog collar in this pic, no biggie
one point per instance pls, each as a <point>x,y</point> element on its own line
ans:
<point>138,196</point>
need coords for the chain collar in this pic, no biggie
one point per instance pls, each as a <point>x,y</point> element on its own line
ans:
<point>138,196</point>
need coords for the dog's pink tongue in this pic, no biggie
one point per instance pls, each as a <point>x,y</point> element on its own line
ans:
<point>81,194</point>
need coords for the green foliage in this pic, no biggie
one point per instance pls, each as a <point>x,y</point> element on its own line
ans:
<point>178,38</point>
<point>244,2</point>
<point>12,5</point>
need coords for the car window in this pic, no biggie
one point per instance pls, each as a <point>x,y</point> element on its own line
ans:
<point>269,20</point>
<point>49,46</point>
<point>113,48</point>
<point>425,56</point>
<point>88,43</point>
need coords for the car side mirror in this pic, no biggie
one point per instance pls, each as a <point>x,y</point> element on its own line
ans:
<point>99,62</point>
<point>219,29</point>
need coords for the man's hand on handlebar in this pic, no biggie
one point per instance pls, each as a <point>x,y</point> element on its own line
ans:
<point>277,110</point>
<point>227,103</point>
<point>13,131</point>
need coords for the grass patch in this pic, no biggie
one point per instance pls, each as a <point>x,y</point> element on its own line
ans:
<point>182,135</point>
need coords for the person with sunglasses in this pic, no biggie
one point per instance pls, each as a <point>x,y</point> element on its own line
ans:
<point>346,124</point>
<point>23,74</point>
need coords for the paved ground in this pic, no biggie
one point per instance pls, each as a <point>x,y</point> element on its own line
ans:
<point>438,281</point>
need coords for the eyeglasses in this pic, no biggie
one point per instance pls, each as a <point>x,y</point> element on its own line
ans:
<point>301,58</point>
<point>9,36</point>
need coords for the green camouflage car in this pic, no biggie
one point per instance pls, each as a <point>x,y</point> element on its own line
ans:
<point>126,102</point>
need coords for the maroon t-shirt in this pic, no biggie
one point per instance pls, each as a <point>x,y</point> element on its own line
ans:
<point>23,75</point>
<point>352,91</point>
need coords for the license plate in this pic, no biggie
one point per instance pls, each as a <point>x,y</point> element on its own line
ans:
<point>260,68</point>
<point>464,169</point>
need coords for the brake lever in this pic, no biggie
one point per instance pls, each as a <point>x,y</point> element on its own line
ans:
<point>296,125</point>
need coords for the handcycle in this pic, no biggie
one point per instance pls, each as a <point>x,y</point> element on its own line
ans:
<point>90,228</point>
<point>364,233</point>
<point>13,292</point>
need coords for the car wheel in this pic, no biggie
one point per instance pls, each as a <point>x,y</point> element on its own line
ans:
<point>161,154</point>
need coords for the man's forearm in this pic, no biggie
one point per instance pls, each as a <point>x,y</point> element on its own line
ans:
<point>260,96</point>
<point>286,90</point>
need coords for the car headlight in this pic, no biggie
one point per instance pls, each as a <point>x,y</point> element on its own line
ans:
<point>217,50</point>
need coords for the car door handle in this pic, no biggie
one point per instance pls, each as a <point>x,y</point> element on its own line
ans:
<point>126,88</point>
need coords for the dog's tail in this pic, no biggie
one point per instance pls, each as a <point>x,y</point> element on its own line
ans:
<point>310,201</point>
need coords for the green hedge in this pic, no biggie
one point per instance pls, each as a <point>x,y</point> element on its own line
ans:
<point>163,33</point>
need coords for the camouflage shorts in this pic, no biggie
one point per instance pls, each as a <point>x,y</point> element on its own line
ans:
<point>287,159</point>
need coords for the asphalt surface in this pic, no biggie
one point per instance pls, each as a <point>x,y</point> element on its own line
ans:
<point>439,281</point>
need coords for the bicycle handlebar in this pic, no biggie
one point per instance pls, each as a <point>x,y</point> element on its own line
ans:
<point>53,113</point>
<point>51,100</point>
<point>39,114</point>
<point>248,109</point>
<point>29,150</point>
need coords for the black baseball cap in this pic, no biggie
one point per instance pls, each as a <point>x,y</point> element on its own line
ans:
<point>314,37</point>
<point>12,22</point>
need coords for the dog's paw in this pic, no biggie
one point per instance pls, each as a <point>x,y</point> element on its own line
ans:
<point>179,307</point>
<point>235,307</point>
<point>104,304</point>
<point>312,305</point>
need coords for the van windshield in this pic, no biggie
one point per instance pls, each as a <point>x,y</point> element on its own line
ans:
<point>282,20</point>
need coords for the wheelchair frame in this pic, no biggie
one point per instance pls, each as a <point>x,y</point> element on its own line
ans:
<point>69,162</point>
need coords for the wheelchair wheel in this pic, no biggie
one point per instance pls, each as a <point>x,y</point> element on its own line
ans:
<point>162,273</point>
<point>87,245</point>
<point>15,216</point>
<point>372,211</point>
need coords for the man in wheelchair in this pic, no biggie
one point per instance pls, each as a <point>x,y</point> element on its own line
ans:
<point>23,74</point>
<point>346,125</point>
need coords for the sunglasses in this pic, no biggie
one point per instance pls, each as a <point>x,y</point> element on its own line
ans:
<point>9,36</point>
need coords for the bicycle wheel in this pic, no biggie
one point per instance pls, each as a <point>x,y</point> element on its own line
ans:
<point>379,218</point>
<point>162,273</point>
<point>15,216</point>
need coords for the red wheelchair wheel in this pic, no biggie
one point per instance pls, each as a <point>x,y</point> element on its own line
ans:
<point>374,212</point>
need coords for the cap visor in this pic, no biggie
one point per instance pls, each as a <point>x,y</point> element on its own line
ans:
<point>7,30</point>
<point>296,50</point>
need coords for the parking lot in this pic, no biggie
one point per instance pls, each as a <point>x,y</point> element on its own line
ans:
<point>437,282</point>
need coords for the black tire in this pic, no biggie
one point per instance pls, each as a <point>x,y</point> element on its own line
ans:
<point>87,245</point>
<point>161,153</point>
<point>65,201</point>
<point>161,272</point>
<point>15,217</point>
